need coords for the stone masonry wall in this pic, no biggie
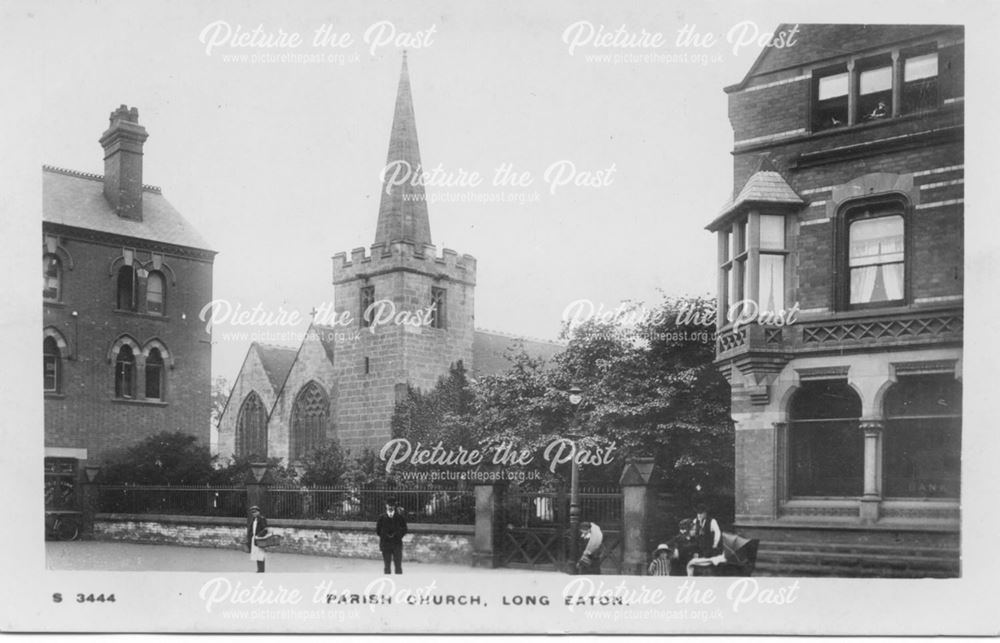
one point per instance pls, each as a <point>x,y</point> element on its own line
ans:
<point>449,544</point>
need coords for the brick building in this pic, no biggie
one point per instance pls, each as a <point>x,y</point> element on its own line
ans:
<point>848,217</point>
<point>125,276</point>
<point>343,382</point>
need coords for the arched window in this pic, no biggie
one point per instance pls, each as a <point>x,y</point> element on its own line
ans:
<point>52,365</point>
<point>126,288</point>
<point>51,278</point>
<point>156,293</point>
<point>923,437</point>
<point>825,442</point>
<point>125,373</point>
<point>251,428</point>
<point>310,414</point>
<point>873,236</point>
<point>154,375</point>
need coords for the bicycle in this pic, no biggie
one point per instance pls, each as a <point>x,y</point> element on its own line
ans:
<point>62,525</point>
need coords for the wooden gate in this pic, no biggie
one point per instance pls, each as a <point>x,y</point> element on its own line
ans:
<point>534,528</point>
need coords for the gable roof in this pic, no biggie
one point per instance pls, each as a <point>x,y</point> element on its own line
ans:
<point>817,42</point>
<point>77,199</point>
<point>277,362</point>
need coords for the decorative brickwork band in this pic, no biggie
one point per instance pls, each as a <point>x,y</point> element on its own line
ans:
<point>882,329</point>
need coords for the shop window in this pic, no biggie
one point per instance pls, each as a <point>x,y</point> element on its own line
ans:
<point>923,437</point>
<point>825,442</point>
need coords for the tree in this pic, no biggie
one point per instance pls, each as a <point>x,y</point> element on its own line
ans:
<point>650,388</point>
<point>164,458</point>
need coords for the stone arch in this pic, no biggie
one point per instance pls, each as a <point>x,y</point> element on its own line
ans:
<point>251,427</point>
<point>165,353</point>
<point>309,420</point>
<point>124,340</point>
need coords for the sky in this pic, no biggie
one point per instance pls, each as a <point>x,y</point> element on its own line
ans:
<point>277,163</point>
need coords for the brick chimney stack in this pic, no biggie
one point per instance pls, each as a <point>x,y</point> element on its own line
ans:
<point>122,143</point>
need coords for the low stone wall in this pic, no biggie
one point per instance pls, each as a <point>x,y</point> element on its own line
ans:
<point>425,543</point>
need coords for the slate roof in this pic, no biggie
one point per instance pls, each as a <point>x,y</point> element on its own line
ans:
<point>816,42</point>
<point>277,362</point>
<point>489,350</point>
<point>327,336</point>
<point>77,199</point>
<point>764,186</point>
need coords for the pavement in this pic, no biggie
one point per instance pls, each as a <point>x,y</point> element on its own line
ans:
<point>118,556</point>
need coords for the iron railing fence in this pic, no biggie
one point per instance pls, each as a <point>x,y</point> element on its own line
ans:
<point>455,507</point>
<point>173,500</point>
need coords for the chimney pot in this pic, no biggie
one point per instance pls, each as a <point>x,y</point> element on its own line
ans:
<point>122,143</point>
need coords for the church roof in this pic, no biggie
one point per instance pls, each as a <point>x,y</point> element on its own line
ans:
<point>277,361</point>
<point>490,350</point>
<point>77,199</point>
<point>402,212</point>
<point>327,336</point>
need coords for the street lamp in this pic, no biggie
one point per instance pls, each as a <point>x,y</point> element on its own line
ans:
<point>575,397</point>
<point>258,469</point>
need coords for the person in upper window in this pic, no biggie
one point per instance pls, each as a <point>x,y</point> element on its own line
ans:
<point>880,111</point>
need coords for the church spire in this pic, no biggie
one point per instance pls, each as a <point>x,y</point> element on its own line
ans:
<point>402,213</point>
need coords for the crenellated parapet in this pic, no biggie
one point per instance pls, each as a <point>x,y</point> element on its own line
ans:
<point>404,255</point>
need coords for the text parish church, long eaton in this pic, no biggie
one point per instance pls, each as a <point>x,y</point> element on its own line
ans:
<point>344,385</point>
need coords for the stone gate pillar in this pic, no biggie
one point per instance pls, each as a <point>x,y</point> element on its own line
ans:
<point>489,502</point>
<point>637,497</point>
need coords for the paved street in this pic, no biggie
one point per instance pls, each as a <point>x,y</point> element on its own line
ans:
<point>108,556</point>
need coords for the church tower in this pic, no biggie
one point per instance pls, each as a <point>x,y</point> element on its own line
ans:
<point>432,297</point>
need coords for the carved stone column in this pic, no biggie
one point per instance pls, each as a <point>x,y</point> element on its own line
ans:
<point>872,429</point>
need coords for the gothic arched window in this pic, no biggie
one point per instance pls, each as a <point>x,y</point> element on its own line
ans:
<point>251,428</point>
<point>51,278</point>
<point>52,365</point>
<point>156,298</point>
<point>125,373</point>
<point>154,375</point>
<point>310,415</point>
<point>126,288</point>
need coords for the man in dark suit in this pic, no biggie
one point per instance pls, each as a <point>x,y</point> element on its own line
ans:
<point>390,528</point>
